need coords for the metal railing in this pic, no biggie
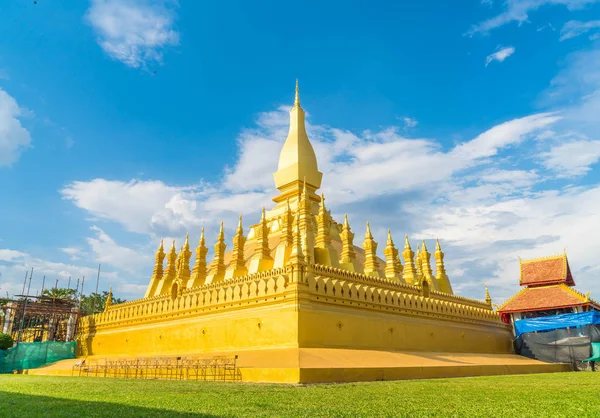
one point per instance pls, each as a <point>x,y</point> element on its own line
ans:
<point>218,368</point>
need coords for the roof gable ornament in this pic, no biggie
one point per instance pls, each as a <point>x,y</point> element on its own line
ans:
<point>545,270</point>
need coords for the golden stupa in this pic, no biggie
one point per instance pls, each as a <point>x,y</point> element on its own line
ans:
<point>298,302</point>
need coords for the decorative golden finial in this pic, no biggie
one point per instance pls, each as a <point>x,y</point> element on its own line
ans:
<point>187,240</point>
<point>587,297</point>
<point>440,270</point>
<point>425,258</point>
<point>157,273</point>
<point>323,239</point>
<point>198,276</point>
<point>297,97</point>
<point>306,225</point>
<point>217,272</point>
<point>183,272</point>
<point>108,302</point>
<point>170,272</point>
<point>297,255</point>
<point>393,267</point>
<point>368,234</point>
<point>240,229</point>
<point>488,299</point>
<point>348,256</point>
<point>371,261</point>
<point>409,275</point>
<point>418,265</point>
<point>238,262</point>
<point>287,230</point>
<point>261,259</point>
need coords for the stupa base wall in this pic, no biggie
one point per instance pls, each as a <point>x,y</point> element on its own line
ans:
<point>338,324</point>
<point>233,328</point>
<point>322,365</point>
<point>289,323</point>
<point>337,328</point>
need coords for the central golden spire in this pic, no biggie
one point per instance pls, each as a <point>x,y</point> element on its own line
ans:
<point>297,160</point>
<point>297,98</point>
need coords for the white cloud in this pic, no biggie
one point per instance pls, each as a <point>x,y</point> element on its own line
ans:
<point>131,204</point>
<point>10,255</point>
<point>353,173</point>
<point>500,55</point>
<point>576,88</point>
<point>366,160</point>
<point>13,270</point>
<point>518,11</point>
<point>14,138</point>
<point>518,178</point>
<point>134,32</point>
<point>572,158</point>
<point>107,251</point>
<point>574,28</point>
<point>492,232</point>
<point>127,269</point>
<point>409,123</point>
<point>73,253</point>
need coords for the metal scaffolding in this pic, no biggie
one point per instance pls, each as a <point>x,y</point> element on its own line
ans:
<point>40,318</point>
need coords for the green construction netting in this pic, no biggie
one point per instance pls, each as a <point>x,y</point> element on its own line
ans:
<point>32,355</point>
<point>595,352</point>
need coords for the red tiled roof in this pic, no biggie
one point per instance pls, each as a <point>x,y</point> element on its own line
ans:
<point>545,297</point>
<point>548,270</point>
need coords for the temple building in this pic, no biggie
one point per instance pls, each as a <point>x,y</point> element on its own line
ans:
<point>548,289</point>
<point>299,300</point>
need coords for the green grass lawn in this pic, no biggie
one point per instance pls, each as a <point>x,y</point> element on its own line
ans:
<point>560,394</point>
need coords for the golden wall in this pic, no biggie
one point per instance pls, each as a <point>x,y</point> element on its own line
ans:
<point>343,309</point>
<point>320,307</point>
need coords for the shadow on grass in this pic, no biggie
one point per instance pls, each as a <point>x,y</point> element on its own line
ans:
<point>20,405</point>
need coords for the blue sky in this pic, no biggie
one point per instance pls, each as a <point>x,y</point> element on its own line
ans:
<point>123,122</point>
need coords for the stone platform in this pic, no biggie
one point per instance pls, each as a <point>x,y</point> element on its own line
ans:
<point>323,365</point>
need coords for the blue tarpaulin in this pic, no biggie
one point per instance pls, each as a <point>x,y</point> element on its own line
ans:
<point>546,323</point>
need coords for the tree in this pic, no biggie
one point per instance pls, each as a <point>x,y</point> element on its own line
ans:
<point>94,303</point>
<point>6,341</point>
<point>60,293</point>
<point>90,304</point>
